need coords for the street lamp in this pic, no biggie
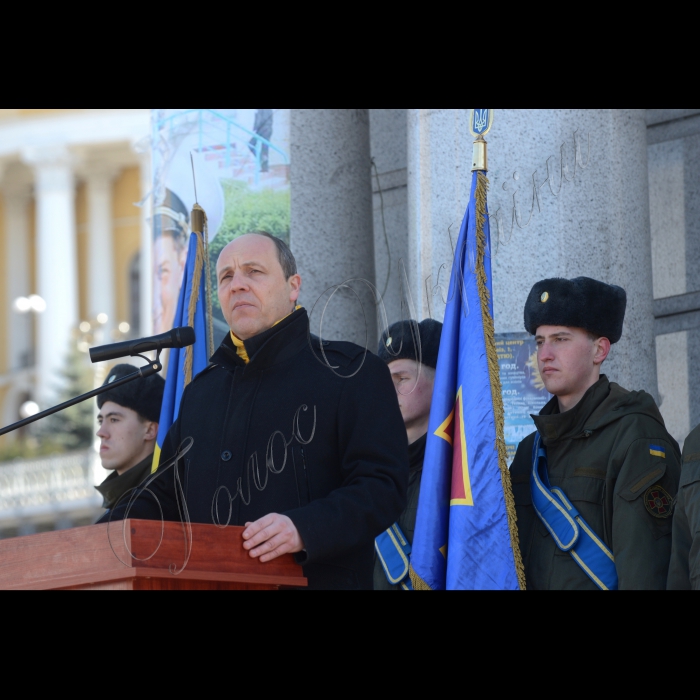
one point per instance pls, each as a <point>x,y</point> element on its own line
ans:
<point>32,303</point>
<point>90,332</point>
<point>28,408</point>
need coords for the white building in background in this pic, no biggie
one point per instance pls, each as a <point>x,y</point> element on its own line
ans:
<point>70,242</point>
<point>368,188</point>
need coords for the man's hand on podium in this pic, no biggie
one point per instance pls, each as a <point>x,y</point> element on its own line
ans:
<point>271,536</point>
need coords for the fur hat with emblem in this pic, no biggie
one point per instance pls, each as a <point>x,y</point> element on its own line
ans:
<point>581,302</point>
<point>399,341</point>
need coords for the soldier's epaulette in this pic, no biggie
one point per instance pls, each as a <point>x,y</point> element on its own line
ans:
<point>342,351</point>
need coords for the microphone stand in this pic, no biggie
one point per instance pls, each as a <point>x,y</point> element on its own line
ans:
<point>153,367</point>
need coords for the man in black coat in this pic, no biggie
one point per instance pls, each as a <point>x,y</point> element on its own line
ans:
<point>299,440</point>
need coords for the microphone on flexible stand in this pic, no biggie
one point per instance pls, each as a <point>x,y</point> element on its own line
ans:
<point>175,338</point>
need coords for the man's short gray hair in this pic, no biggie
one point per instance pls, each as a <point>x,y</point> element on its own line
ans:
<point>284,254</point>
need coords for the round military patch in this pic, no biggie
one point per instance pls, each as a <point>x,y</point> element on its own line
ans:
<point>658,502</point>
<point>544,297</point>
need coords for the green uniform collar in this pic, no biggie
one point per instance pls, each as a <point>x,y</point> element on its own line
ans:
<point>554,426</point>
<point>116,485</point>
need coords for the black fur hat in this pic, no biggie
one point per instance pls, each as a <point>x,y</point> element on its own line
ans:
<point>398,342</point>
<point>141,395</point>
<point>580,303</point>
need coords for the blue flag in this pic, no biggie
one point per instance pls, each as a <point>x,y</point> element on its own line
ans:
<point>466,533</point>
<point>190,312</point>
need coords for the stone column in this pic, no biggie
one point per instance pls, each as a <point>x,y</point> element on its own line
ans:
<point>99,181</point>
<point>673,138</point>
<point>331,226</point>
<point>692,266</point>
<point>17,273</point>
<point>56,265</point>
<point>563,212</point>
<point>388,144</point>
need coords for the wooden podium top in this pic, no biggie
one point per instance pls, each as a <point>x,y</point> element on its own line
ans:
<point>89,558</point>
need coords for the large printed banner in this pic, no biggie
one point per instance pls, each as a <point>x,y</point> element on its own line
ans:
<point>241,164</point>
<point>522,386</point>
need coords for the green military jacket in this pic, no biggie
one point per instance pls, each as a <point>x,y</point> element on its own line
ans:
<point>612,456</point>
<point>116,485</point>
<point>684,571</point>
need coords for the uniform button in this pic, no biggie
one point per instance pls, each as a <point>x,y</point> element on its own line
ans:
<point>225,455</point>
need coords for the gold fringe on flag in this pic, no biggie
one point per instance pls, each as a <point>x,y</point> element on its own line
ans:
<point>202,264</point>
<point>417,582</point>
<point>482,185</point>
<point>194,298</point>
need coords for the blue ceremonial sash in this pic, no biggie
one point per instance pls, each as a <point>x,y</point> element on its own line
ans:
<point>393,550</point>
<point>570,531</point>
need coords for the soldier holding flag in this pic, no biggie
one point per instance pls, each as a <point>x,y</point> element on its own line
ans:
<point>594,485</point>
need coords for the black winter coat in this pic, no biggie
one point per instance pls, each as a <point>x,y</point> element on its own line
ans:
<point>286,434</point>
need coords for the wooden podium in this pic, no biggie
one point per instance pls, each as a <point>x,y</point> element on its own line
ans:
<point>88,558</point>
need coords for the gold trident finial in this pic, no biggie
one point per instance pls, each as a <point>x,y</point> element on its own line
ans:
<point>480,121</point>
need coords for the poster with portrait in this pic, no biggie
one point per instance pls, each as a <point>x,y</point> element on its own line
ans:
<point>521,384</point>
<point>235,164</point>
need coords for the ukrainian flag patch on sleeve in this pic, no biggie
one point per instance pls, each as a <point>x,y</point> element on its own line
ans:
<point>657,451</point>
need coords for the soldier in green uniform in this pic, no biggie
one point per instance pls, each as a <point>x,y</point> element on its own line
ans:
<point>684,572</point>
<point>128,418</point>
<point>401,346</point>
<point>594,486</point>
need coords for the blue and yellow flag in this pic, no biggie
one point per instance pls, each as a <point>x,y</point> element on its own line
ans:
<point>466,534</point>
<point>185,363</point>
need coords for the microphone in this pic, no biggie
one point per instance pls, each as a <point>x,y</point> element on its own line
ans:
<point>176,338</point>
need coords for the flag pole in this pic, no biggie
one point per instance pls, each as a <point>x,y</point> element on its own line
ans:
<point>479,126</point>
<point>199,225</point>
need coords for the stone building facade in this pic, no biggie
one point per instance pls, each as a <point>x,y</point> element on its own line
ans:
<point>611,194</point>
<point>377,198</point>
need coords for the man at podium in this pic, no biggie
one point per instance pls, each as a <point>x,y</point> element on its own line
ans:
<point>297,439</point>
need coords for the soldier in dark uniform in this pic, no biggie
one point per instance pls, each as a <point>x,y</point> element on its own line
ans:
<point>684,572</point>
<point>594,486</point>
<point>128,421</point>
<point>413,381</point>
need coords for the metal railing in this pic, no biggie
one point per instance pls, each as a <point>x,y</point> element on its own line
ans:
<point>205,121</point>
<point>49,485</point>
